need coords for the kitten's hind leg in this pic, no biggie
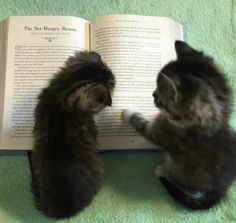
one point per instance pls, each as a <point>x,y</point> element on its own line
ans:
<point>160,171</point>
<point>165,169</point>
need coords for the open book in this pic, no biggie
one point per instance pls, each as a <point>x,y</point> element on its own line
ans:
<point>33,48</point>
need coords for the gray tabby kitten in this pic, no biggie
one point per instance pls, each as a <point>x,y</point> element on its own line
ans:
<point>195,104</point>
<point>66,169</point>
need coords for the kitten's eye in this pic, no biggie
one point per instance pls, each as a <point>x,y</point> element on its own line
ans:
<point>176,117</point>
<point>112,83</point>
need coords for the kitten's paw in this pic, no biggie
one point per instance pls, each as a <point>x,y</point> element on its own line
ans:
<point>127,114</point>
<point>159,171</point>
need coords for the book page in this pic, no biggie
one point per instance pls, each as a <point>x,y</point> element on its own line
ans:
<point>135,48</point>
<point>36,48</point>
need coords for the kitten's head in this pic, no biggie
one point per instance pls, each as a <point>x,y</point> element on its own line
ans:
<point>191,91</point>
<point>88,83</point>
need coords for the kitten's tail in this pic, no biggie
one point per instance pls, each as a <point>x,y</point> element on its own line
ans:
<point>206,201</point>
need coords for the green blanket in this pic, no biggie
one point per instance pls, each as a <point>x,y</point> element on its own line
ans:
<point>131,192</point>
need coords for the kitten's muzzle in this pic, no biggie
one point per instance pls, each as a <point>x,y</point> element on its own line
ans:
<point>154,94</point>
<point>157,101</point>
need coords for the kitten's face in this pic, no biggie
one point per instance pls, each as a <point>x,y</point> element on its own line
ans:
<point>92,93</point>
<point>174,104</point>
<point>91,97</point>
<point>183,98</point>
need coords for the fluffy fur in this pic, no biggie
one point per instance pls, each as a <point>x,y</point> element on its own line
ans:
<point>195,104</point>
<point>66,170</point>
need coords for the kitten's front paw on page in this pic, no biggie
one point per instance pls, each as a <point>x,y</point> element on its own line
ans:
<point>127,114</point>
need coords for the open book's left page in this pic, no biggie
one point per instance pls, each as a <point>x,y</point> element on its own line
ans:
<point>36,48</point>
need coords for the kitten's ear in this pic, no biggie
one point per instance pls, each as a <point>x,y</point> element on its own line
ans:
<point>203,109</point>
<point>83,57</point>
<point>95,57</point>
<point>184,51</point>
<point>170,85</point>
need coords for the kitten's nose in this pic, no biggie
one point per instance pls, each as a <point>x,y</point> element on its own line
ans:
<point>108,100</point>
<point>154,94</point>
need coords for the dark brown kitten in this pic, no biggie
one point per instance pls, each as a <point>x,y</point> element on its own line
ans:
<point>195,104</point>
<point>66,170</point>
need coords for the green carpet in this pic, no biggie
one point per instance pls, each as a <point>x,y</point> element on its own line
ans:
<point>130,192</point>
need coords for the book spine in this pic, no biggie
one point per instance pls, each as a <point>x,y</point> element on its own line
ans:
<point>3,58</point>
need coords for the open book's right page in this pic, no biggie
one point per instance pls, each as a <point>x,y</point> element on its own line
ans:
<point>135,48</point>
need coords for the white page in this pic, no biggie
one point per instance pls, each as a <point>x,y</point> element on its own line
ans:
<point>36,48</point>
<point>135,48</point>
